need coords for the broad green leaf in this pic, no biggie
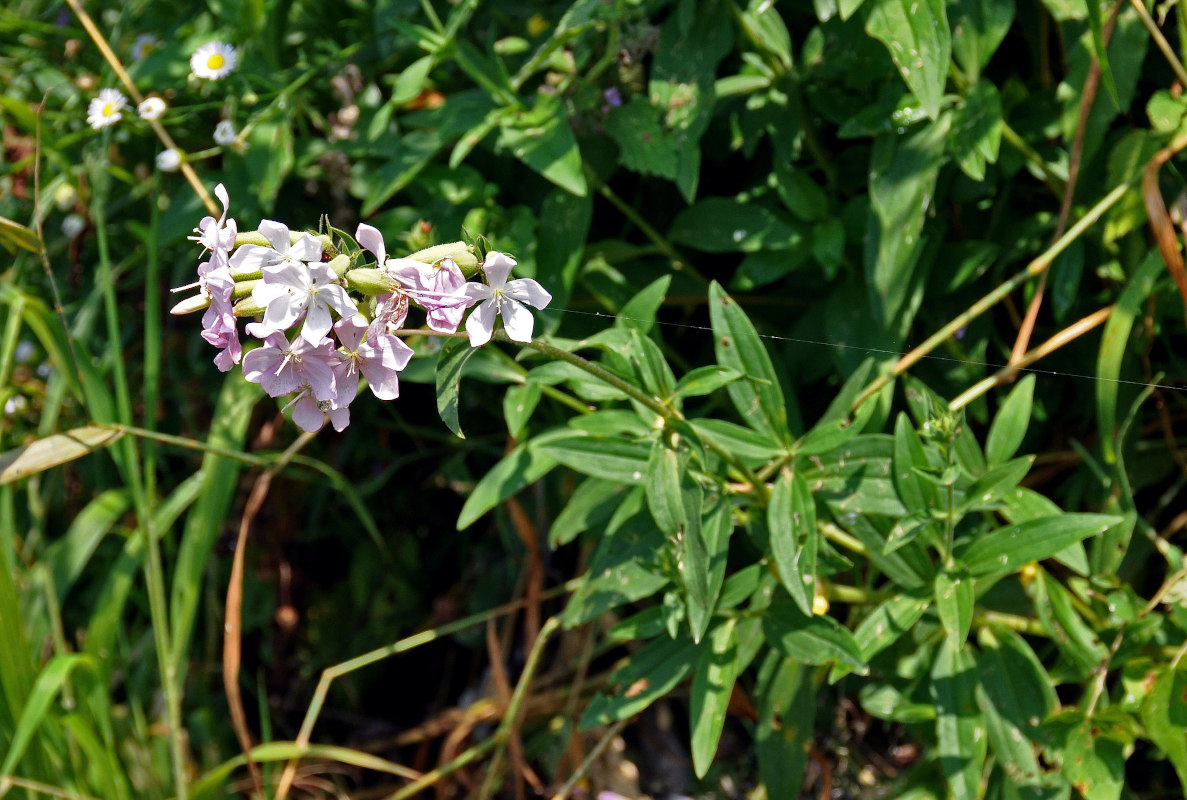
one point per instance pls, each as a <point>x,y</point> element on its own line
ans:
<point>791,519</point>
<point>1073,636</point>
<point>54,450</point>
<point>67,557</point>
<point>523,466</point>
<point>977,129</point>
<point>886,702</point>
<point>664,473</point>
<point>810,639</point>
<point>639,312</point>
<point>903,172</point>
<point>704,380</point>
<point>590,506</point>
<point>1010,423</point>
<point>650,673</point>
<point>916,494</point>
<point>1008,549</point>
<point>832,432</point>
<point>1114,343</point>
<point>759,398</point>
<point>651,368</point>
<point>450,363</point>
<point>518,404</point>
<point>954,601</point>
<point>785,729</point>
<point>802,195</point>
<point>614,459</point>
<point>745,443</point>
<point>411,80</point>
<point>560,244</point>
<point>889,620</point>
<point>1014,680</point>
<point>978,27</point>
<point>1164,715</point>
<point>645,146</point>
<point>542,139</point>
<point>722,225</point>
<point>856,477</point>
<point>996,483</point>
<point>1091,752</point>
<point>716,528</point>
<point>908,566</point>
<point>960,727</point>
<point>917,36</point>
<point>411,153</point>
<point>709,695</point>
<point>612,422</point>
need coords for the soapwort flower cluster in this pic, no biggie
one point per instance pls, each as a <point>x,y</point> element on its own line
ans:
<point>328,317</point>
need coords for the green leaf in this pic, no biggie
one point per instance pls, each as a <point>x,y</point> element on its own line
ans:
<point>745,443</point>
<point>960,727</point>
<point>916,34</point>
<point>1008,549</point>
<point>1014,681</point>
<point>810,639</point>
<point>709,695</point>
<point>1009,426</point>
<point>791,519</point>
<point>1114,344</point>
<point>560,243</point>
<point>977,129</point>
<point>614,458</point>
<point>887,622</point>
<point>664,473</point>
<point>759,399</point>
<point>908,566</point>
<point>1164,716</point>
<point>14,235</point>
<point>450,363</point>
<point>856,478</point>
<point>644,144</point>
<point>1091,752</point>
<point>704,380</point>
<point>523,466</point>
<point>996,483</point>
<point>518,404</point>
<point>411,80</point>
<point>542,139</point>
<point>885,702</point>
<point>650,673</point>
<point>978,27</point>
<point>47,686</point>
<point>722,225</point>
<point>716,528</point>
<point>1076,640</point>
<point>638,313</point>
<point>786,727</point>
<point>917,495</point>
<point>590,506</point>
<point>903,172</point>
<point>954,602</point>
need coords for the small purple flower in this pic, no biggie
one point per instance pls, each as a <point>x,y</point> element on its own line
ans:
<point>293,289</point>
<point>442,293</point>
<point>379,362</point>
<point>282,367</point>
<point>613,97</point>
<point>218,235</point>
<point>218,322</point>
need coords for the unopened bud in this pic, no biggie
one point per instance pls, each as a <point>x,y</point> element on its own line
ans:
<point>243,288</point>
<point>340,263</point>
<point>370,282</point>
<point>460,252</point>
<point>248,307</point>
<point>198,302</point>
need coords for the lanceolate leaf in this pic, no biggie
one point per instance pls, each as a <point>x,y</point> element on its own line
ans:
<point>810,639</point>
<point>960,728</point>
<point>916,34</point>
<point>758,398</point>
<point>1009,426</point>
<point>709,696</point>
<point>791,519</point>
<point>1007,549</point>
<point>450,363</point>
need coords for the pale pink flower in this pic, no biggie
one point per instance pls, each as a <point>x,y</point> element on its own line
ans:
<point>282,367</point>
<point>505,298</point>
<point>379,361</point>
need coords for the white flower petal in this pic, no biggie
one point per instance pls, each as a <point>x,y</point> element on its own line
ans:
<point>369,238</point>
<point>277,234</point>
<point>517,320</point>
<point>480,325</point>
<point>497,267</point>
<point>526,290</point>
<point>306,248</point>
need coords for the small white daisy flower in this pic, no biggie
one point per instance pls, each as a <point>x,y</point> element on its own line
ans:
<point>145,43</point>
<point>168,160</point>
<point>224,133</point>
<point>106,109</point>
<point>214,61</point>
<point>153,108</point>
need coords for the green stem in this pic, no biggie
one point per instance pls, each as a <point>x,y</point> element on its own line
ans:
<point>153,568</point>
<point>1055,182</point>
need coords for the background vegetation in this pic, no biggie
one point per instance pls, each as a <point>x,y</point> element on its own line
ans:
<point>806,520</point>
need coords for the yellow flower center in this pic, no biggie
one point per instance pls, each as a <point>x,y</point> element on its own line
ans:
<point>108,109</point>
<point>216,61</point>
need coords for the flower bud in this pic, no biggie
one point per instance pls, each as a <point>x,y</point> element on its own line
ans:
<point>371,282</point>
<point>340,264</point>
<point>198,302</point>
<point>247,307</point>
<point>243,288</point>
<point>460,252</point>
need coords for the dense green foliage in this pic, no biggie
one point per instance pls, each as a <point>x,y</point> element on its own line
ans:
<point>777,466</point>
